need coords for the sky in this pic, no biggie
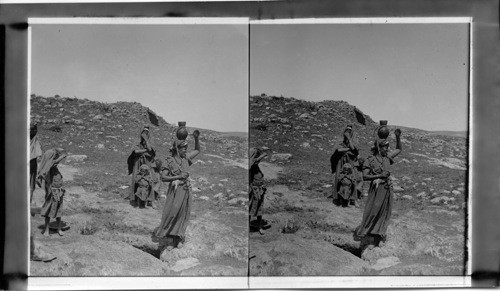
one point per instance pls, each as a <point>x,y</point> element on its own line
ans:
<point>196,73</point>
<point>413,75</point>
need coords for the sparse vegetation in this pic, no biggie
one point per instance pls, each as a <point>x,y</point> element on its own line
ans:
<point>89,229</point>
<point>104,225</point>
<point>429,189</point>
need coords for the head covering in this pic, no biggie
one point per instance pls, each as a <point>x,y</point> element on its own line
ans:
<point>178,144</point>
<point>346,166</point>
<point>33,126</point>
<point>348,127</point>
<point>383,143</point>
<point>48,160</point>
<point>254,155</point>
<point>145,128</point>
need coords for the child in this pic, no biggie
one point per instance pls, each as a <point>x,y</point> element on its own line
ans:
<point>347,182</point>
<point>144,186</point>
<point>54,192</point>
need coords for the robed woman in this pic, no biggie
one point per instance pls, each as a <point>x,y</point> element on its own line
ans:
<point>177,208</point>
<point>378,208</point>
<point>257,189</point>
<point>143,153</point>
<point>346,153</point>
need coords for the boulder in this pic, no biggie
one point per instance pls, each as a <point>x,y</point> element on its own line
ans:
<point>76,158</point>
<point>282,157</point>
<point>310,258</point>
<point>397,188</point>
<point>384,263</point>
<point>238,200</point>
<point>91,256</point>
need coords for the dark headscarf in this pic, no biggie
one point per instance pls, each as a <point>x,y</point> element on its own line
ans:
<point>145,128</point>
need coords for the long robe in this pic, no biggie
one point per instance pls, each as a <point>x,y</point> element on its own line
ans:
<point>378,208</point>
<point>177,210</point>
<point>257,191</point>
<point>54,193</point>
<point>135,161</point>
<point>143,187</point>
<point>337,161</point>
<point>35,152</point>
<point>346,186</point>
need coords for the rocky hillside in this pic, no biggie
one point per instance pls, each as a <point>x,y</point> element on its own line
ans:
<point>107,236</point>
<point>311,236</point>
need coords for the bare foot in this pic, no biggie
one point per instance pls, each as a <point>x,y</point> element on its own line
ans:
<point>261,231</point>
<point>60,232</point>
<point>46,233</point>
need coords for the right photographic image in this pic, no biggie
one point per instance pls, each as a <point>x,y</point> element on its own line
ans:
<point>358,162</point>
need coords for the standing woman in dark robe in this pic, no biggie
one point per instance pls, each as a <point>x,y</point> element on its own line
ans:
<point>378,208</point>
<point>35,153</point>
<point>177,210</point>
<point>143,153</point>
<point>257,189</point>
<point>346,152</point>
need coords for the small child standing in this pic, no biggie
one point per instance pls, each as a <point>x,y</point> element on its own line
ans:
<point>346,186</point>
<point>144,185</point>
<point>52,181</point>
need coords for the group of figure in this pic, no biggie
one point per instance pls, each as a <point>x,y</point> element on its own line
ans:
<point>349,169</point>
<point>46,175</point>
<point>144,167</point>
<point>147,171</point>
<point>350,172</point>
<point>147,174</point>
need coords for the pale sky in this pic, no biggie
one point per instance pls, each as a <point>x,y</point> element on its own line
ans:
<point>413,75</point>
<point>191,72</point>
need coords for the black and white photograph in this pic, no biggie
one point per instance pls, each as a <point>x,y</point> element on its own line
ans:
<point>138,147</point>
<point>303,144</point>
<point>359,132</point>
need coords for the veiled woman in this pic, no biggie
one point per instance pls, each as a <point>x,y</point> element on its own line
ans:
<point>257,189</point>
<point>177,208</point>
<point>378,208</point>
<point>143,153</point>
<point>35,153</point>
<point>346,152</point>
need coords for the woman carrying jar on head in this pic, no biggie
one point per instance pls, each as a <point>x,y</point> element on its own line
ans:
<point>177,208</point>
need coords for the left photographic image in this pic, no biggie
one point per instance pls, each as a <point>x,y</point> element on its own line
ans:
<point>138,156</point>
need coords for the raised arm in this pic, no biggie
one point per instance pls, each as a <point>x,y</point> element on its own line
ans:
<point>398,149</point>
<point>259,158</point>
<point>196,151</point>
<point>140,151</point>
